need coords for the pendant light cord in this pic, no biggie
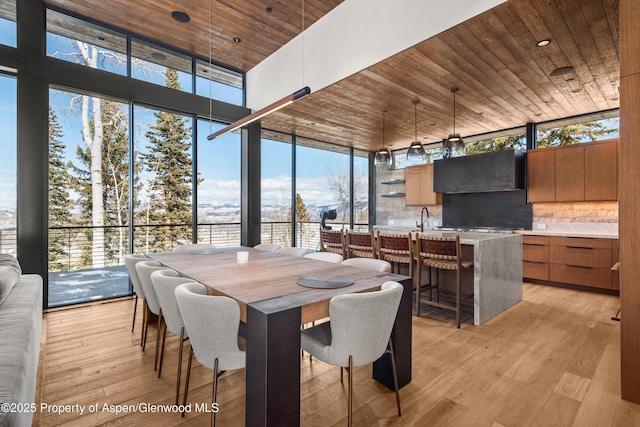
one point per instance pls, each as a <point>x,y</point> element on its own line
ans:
<point>415,118</point>
<point>210,66</point>
<point>383,114</point>
<point>303,48</point>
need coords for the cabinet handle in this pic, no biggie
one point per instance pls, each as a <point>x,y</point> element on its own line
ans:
<point>578,247</point>
<point>534,244</point>
<point>578,266</point>
<point>535,262</point>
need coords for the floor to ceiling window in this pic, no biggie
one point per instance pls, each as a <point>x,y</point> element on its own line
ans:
<point>361,190</point>
<point>276,185</point>
<point>8,161</point>
<point>143,202</point>
<point>323,183</point>
<point>88,197</point>
<point>162,180</point>
<point>218,202</point>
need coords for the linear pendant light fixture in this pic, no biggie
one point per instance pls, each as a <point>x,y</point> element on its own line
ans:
<point>262,112</point>
<point>416,153</point>
<point>383,155</point>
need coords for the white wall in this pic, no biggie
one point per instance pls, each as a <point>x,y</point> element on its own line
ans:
<point>353,36</point>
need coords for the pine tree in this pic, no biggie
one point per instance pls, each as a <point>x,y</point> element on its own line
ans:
<point>60,204</point>
<point>573,134</point>
<point>495,144</point>
<point>169,160</point>
<point>303,218</point>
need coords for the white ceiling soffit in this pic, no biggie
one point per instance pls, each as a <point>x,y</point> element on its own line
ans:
<point>353,36</point>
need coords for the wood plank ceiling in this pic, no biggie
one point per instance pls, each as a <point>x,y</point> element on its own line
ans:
<point>493,59</point>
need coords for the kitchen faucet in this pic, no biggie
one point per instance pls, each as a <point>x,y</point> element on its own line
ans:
<point>421,225</point>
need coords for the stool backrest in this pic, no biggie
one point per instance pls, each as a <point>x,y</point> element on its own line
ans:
<point>358,242</point>
<point>446,248</point>
<point>394,244</point>
<point>332,241</point>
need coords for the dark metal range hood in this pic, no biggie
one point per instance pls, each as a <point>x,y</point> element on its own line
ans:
<point>489,172</point>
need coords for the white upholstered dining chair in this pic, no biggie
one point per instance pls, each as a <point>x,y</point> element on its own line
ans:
<point>130,262</point>
<point>368,264</point>
<point>193,246</point>
<point>212,323</point>
<point>358,333</point>
<point>165,283</point>
<point>325,256</point>
<point>267,247</point>
<point>293,251</point>
<point>145,269</point>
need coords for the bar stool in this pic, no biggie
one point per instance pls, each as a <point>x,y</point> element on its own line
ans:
<point>396,249</point>
<point>440,253</point>
<point>360,244</point>
<point>332,241</point>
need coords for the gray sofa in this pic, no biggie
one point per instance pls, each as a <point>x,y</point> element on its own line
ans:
<point>20,329</point>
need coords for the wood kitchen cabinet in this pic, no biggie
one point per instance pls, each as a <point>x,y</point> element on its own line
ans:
<point>575,173</point>
<point>535,257</point>
<point>541,175</point>
<point>571,260</point>
<point>601,171</point>
<point>419,186</point>
<point>570,174</point>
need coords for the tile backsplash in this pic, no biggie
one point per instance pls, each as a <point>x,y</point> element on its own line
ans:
<point>594,216</point>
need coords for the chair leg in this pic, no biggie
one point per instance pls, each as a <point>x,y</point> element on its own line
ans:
<point>341,374</point>
<point>458,298</point>
<point>164,338</point>
<point>179,365</point>
<point>395,375</point>
<point>214,395</point>
<point>350,391</point>
<point>135,308</point>
<point>418,285</point>
<point>155,363</point>
<point>144,323</point>
<point>145,331</point>
<point>186,381</point>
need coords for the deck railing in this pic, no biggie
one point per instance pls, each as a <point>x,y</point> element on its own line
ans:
<point>72,248</point>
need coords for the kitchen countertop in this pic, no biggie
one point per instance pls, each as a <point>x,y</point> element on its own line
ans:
<point>466,237</point>
<point>571,233</point>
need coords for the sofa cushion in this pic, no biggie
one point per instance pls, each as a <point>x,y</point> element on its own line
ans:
<point>20,329</point>
<point>10,272</point>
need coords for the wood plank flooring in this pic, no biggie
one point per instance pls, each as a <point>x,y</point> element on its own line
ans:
<point>552,360</point>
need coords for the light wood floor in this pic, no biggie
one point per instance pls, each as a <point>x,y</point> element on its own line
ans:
<point>552,360</point>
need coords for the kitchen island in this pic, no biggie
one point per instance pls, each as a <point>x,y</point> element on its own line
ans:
<point>497,269</point>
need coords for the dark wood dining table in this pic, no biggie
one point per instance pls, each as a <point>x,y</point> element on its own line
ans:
<point>274,307</point>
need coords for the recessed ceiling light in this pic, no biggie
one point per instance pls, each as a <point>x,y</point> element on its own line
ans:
<point>180,16</point>
<point>543,43</point>
<point>561,71</point>
<point>237,40</point>
<point>159,56</point>
<point>269,9</point>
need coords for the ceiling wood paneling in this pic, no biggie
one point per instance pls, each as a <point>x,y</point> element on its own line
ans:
<point>492,58</point>
<point>261,33</point>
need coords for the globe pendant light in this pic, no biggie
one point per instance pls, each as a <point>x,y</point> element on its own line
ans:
<point>383,155</point>
<point>416,153</point>
<point>453,146</point>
